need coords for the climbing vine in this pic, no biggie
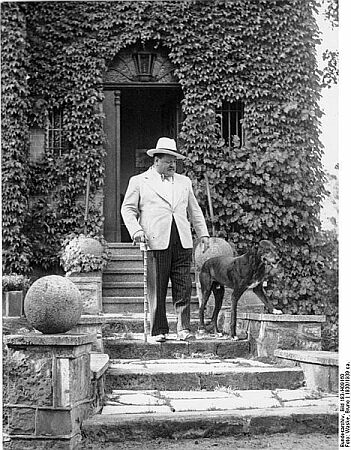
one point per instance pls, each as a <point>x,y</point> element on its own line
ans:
<point>14,127</point>
<point>261,53</point>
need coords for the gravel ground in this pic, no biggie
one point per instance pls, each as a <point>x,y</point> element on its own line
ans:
<point>280,441</point>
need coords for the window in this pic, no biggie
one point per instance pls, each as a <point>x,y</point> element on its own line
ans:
<point>55,140</point>
<point>36,144</point>
<point>229,117</point>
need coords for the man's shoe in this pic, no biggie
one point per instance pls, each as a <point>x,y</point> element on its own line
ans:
<point>159,338</point>
<point>185,335</point>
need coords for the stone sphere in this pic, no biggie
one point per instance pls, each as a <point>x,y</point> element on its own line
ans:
<point>218,247</point>
<point>53,304</point>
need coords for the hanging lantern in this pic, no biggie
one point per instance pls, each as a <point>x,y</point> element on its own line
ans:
<point>144,64</point>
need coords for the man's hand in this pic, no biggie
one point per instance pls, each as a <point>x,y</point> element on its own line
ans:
<point>138,237</point>
<point>205,241</point>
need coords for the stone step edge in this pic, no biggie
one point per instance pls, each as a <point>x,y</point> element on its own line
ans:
<point>126,257</point>
<point>136,317</point>
<point>189,425</point>
<point>130,284</point>
<point>135,299</point>
<point>117,369</point>
<point>121,245</point>
<point>171,338</point>
<point>128,271</point>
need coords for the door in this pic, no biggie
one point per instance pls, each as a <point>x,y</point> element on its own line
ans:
<point>135,117</point>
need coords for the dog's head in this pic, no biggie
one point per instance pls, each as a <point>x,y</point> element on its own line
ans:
<point>268,254</point>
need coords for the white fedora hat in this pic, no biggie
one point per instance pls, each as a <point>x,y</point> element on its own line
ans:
<point>167,146</point>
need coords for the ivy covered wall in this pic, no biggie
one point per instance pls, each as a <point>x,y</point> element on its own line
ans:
<point>260,52</point>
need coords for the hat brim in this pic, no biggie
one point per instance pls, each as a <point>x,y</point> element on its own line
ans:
<point>153,151</point>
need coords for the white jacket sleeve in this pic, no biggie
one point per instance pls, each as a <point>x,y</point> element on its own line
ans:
<point>195,214</point>
<point>130,207</point>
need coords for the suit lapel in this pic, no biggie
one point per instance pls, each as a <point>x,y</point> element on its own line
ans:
<point>155,183</point>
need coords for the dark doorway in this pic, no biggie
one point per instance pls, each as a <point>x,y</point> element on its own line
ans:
<point>133,125</point>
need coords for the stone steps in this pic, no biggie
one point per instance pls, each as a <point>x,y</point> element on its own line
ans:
<point>133,322</point>
<point>125,260</point>
<point>210,386</point>
<point>197,374</point>
<point>130,289</point>
<point>123,248</point>
<point>132,345</point>
<point>135,304</point>
<point>126,274</point>
<point>123,280</point>
<point>150,415</point>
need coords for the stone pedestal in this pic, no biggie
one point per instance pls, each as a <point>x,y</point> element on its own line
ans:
<point>90,288</point>
<point>91,324</point>
<point>268,332</point>
<point>49,391</point>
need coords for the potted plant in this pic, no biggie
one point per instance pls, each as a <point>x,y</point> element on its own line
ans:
<point>83,258</point>
<point>14,288</point>
<point>83,254</point>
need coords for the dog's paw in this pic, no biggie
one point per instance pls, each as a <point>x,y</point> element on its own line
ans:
<point>277,311</point>
<point>235,338</point>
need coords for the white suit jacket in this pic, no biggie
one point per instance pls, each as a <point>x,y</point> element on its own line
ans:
<point>147,207</point>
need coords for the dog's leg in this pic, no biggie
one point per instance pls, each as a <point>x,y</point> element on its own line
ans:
<point>205,283</point>
<point>218,292</point>
<point>258,290</point>
<point>235,299</point>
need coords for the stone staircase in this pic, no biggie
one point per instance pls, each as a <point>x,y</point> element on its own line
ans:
<point>211,387</point>
<point>122,283</point>
<point>208,389</point>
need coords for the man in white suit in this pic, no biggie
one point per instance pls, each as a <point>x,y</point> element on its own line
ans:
<point>158,207</point>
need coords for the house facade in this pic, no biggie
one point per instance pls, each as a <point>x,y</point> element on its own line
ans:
<point>88,87</point>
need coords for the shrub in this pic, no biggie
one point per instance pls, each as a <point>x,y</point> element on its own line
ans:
<point>15,282</point>
<point>83,254</point>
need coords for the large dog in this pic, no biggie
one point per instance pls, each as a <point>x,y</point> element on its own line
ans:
<point>238,273</point>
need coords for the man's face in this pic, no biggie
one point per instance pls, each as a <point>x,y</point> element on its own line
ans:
<point>166,165</point>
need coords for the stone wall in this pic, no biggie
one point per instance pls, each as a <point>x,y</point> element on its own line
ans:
<point>268,332</point>
<point>48,389</point>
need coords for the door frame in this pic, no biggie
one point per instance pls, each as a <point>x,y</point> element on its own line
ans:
<point>112,127</point>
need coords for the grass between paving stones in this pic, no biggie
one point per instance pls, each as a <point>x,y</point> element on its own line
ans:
<point>312,395</point>
<point>166,400</point>
<point>228,390</point>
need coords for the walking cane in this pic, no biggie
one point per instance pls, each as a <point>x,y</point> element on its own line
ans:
<point>144,252</point>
